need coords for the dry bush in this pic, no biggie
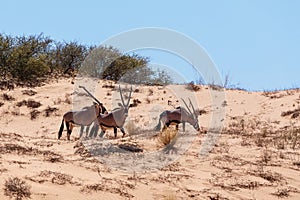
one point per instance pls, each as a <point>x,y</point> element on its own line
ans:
<point>167,136</point>
<point>131,128</point>
<point>29,103</point>
<point>7,97</point>
<point>193,87</point>
<point>34,114</point>
<point>54,177</point>
<point>1,104</point>
<point>282,192</point>
<point>148,100</point>
<point>15,187</point>
<point>131,147</point>
<point>68,98</point>
<point>29,92</point>
<point>33,104</point>
<point>10,148</point>
<point>49,111</point>
<point>16,111</point>
<point>150,92</point>
<point>216,87</point>
<point>294,113</point>
<point>109,85</point>
<point>266,156</point>
<point>135,103</point>
<point>81,150</point>
<point>114,186</point>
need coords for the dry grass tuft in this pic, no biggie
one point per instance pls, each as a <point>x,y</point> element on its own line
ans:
<point>167,136</point>
<point>68,99</point>
<point>49,111</point>
<point>29,92</point>
<point>34,114</point>
<point>150,92</point>
<point>193,87</point>
<point>7,97</point>
<point>135,103</point>
<point>294,113</point>
<point>15,187</point>
<point>29,103</point>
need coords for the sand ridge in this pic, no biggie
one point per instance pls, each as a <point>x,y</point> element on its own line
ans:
<point>256,156</point>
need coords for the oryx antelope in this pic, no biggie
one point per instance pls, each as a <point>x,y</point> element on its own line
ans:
<point>177,116</point>
<point>83,117</point>
<point>115,119</point>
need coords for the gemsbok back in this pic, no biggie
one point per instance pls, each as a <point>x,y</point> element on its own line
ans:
<point>83,117</point>
<point>114,119</point>
<point>177,116</point>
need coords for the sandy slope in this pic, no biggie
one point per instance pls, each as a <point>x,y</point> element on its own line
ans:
<point>256,157</point>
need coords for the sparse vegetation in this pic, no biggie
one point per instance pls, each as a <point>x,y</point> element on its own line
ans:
<point>29,92</point>
<point>30,60</point>
<point>135,103</point>
<point>34,114</point>
<point>293,113</point>
<point>17,188</point>
<point>167,136</point>
<point>192,86</point>
<point>49,111</point>
<point>29,103</point>
<point>7,97</point>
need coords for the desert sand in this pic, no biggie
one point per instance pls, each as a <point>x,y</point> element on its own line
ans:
<point>256,155</point>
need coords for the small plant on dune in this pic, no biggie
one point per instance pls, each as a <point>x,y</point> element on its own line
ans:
<point>191,86</point>
<point>7,97</point>
<point>34,114</point>
<point>148,100</point>
<point>167,136</point>
<point>1,103</point>
<point>68,98</point>
<point>151,92</point>
<point>29,92</point>
<point>29,103</point>
<point>266,156</point>
<point>293,113</point>
<point>135,103</point>
<point>15,187</point>
<point>49,110</point>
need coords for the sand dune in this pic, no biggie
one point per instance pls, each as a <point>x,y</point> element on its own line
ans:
<point>256,156</point>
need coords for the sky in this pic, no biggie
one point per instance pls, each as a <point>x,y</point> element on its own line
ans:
<point>256,43</point>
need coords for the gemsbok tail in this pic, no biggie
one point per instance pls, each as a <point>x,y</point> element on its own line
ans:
<point>158,126</point>
<point>61,129</point>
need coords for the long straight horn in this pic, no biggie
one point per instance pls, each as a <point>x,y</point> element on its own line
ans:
<point>121,96</point>
<point>187,106</point>
<point>193,108</point>
<point>129,96</point>
<point>90,94</point>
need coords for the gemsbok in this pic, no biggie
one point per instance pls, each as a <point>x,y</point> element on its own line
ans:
<point>115,119</point>
<point>84,117</point>
<point>177,116</point>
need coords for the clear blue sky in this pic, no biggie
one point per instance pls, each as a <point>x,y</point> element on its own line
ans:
<point>256,42</point>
